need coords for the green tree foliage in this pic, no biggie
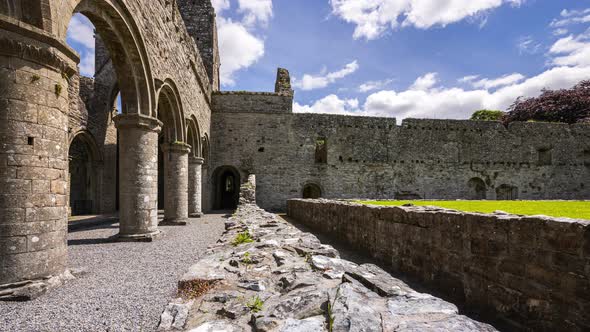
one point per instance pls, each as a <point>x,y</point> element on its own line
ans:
<point>487,115</point>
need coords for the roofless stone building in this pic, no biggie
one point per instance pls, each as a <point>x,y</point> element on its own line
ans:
<point>181,145</point>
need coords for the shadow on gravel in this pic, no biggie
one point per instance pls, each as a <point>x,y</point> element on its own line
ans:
<point>80,242</point>
<point>99,222</point>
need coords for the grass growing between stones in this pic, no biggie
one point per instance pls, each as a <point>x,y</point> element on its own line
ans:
<point>569,209</point>
<point>255,304</point>
<point>242,238</point>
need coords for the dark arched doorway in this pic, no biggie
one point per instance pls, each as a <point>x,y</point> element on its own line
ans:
<point>83,177</point>
<point>312,191</point>
<point>226,188</point>
<point>477,189</point>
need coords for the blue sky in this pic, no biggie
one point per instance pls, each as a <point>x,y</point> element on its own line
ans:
<point>399,58</point>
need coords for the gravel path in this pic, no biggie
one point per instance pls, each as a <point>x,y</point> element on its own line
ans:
<point>126,287</point>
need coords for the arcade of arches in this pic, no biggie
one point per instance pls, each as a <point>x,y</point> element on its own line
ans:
<point>66,151</point>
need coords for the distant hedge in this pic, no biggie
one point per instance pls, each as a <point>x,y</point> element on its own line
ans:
<point>487,115</point>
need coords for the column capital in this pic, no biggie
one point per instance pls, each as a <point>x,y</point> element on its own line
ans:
<point>137,120</point>
<point>196,160</point>
<point>176,147</point>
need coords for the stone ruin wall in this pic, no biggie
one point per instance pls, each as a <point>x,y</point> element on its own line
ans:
<point>369,157</point>
<point>526,273</point>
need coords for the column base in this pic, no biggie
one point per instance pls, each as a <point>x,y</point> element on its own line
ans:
<point>31,289</point>
<point>196,215</point>
<point>149,237</point>
<point>174,222</point>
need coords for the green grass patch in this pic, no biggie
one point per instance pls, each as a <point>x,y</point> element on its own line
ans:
<point>569,209</point>
<point>242,238</point>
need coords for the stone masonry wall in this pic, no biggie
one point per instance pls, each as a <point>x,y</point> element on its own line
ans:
<point>533,273</point>
<point>369,157</point>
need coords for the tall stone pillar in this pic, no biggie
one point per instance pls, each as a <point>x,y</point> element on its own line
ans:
<point>138,181</point>
<point>176,183</point>
<point>195,187</point>
<point>34,105</point>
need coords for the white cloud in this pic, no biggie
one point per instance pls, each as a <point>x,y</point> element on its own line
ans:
<point>493,83</point>
<point>570,58</point>
<point>80,34</point>
<point>311,82</point>
<point>220,5</point>
<point>425,82</point>
<point>255,11</point>
<point>374,85</point>
<point>374,17</point>
<point>560,32</point>
<point>239,49</point>
<point>569,17</point>
<point>331,104</point>
<point>239,46</point>
<point>528,45</point>
<point>571,51</point>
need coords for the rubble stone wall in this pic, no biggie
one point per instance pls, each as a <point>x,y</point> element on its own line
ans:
<point>533,273</point>
<point>375,158</point>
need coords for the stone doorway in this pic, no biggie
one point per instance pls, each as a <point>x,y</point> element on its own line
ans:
<point>227,187</point>
<point>83,176</point>
<point>312,191</point>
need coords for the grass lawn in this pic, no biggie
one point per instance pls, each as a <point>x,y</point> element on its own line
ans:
<point>570,209</point>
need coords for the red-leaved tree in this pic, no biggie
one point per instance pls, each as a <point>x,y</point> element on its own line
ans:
<point>566,105</point>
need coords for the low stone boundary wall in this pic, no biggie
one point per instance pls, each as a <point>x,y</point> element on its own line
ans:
<point>528,273</point>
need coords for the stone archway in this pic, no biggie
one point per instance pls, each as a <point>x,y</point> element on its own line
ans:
<point>226,186</point>
<point>311,191</point>
<point>175,154</point>
<point>49,65</point>
<point>477,189</point>
<point>85,174</point>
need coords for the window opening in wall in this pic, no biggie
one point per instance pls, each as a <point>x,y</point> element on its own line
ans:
<point>321,151</point>
<point>545,157</point>
<point>31,141</point>
<point>586,157</point>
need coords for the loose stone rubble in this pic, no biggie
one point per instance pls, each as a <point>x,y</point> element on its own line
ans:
<point>286,280</point>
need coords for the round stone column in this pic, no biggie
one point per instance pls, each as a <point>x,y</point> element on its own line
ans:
<point>138,181</point>
<point>176,183</point>
<point>34,107</point>
<point>195,187</point>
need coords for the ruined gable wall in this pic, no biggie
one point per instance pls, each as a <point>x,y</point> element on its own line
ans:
<point>375,158</point>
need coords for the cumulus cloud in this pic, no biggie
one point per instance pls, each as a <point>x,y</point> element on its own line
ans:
<point>255,11</point>
<point>426,98</point>
<point>331,104</point>
<point>80,35</point>
<point>374,85</point>
<point>311,82</point>
<point>425,82</point>
<point>239,49</point>
<point>239,45</point>
<point>374,17</point>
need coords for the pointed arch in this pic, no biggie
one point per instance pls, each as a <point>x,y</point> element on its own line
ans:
<point>170,111</point>
<point>194,137</point>
<point>120,34</point>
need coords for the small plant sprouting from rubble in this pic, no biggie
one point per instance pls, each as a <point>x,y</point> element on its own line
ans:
<point>331,316</point>
<point>255,304</point>
<point>246,258</point>
<point>195,288</point>
<point>242,238</point>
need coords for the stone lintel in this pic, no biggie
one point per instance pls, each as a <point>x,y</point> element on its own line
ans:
<point>137,120</point>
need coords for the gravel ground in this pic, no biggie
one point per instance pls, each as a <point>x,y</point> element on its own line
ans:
<point>126,287</point>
